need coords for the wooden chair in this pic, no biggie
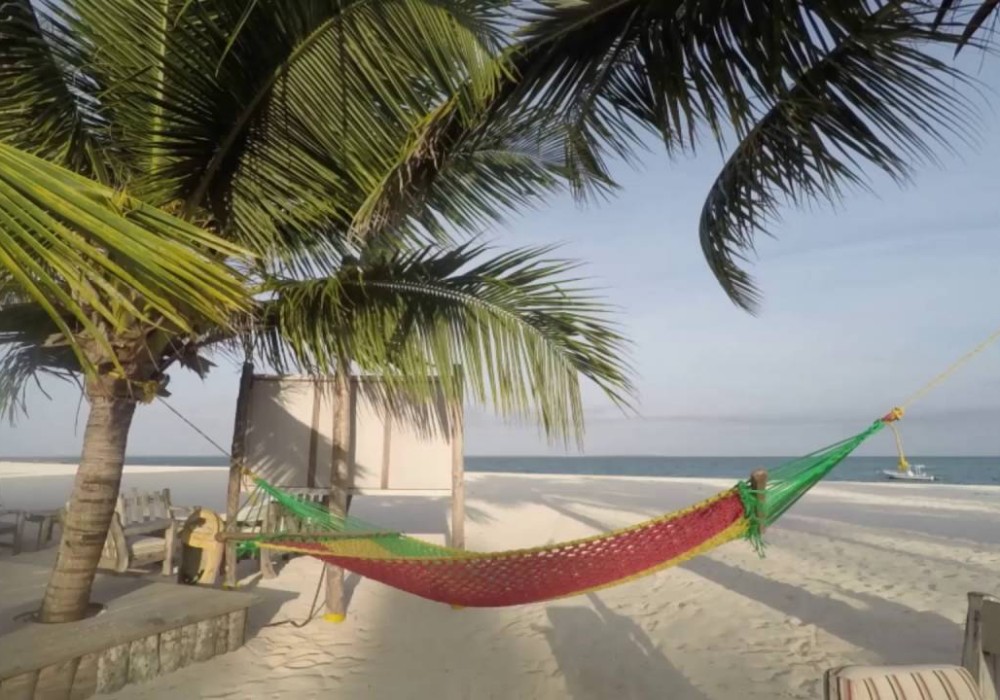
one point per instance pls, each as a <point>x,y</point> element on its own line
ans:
<point>976,679</point>
<point>278,519</point>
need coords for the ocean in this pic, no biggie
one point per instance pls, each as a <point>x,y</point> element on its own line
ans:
<point>950,470</point>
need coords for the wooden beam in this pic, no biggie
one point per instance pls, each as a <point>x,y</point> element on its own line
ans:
<point>237,463</point>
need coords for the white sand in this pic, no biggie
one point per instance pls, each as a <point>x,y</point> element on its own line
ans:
<point>855,573</point>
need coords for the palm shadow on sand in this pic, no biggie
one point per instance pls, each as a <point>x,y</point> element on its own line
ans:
<point>602,654</point>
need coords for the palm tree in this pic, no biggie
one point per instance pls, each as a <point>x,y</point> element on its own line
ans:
<point>814,95</point>
<point>177,173</point>
<point>267,134</point>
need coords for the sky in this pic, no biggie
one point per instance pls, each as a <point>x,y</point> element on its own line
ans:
<point>863,304</point>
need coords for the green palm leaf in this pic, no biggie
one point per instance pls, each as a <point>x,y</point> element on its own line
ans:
<point>104,259</point>
<point>47,106</point>
<point>603,75</point>
<point>875,99</point>
<point>984,11</point>
<point>31,345</point>
<point>273,116</point>
<point>522,329</point>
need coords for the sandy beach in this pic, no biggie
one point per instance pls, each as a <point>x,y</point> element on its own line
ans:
<point>854,573</point>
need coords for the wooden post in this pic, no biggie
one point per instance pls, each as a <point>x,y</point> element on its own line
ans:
<point>386,449</point>
<point>272,523</point>
<point>758,482</point>
<point>237,463</point>
<point>314,435</point>
<point>339,483</point>
<point>457,476</point>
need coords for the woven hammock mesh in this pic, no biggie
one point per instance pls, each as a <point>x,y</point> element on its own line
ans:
<point>489,579</point>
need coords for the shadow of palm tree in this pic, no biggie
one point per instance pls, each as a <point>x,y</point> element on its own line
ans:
<point>602,654</point>
<point>881,626</point>
<point>821,528</point>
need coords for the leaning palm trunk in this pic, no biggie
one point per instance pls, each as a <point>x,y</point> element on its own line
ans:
<point>91,506</point>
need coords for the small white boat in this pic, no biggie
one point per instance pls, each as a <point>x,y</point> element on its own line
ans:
<point>914,472</point>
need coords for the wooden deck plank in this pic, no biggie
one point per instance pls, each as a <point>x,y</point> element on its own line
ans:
<point>136,614</point>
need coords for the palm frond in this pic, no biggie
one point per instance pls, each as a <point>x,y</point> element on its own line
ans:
<point>521,327</point>
<point>508,165</point>
<point>986,9</point>
<point>825,90</point>
<point>31,346</point>
<point>100,258</point>
<point>47,101</point>
<point>271,117</point>
<point>603,74</point>
<point>417,183</point>
<point>876,99</point>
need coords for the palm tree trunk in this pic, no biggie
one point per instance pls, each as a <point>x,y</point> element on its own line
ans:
<point>91,508</point>
<point>339,481</point>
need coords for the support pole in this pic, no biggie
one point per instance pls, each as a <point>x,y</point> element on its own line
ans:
<point>758,482</point>
<point>237,463</point>
<point>336,606</point>
<point>456,421</point>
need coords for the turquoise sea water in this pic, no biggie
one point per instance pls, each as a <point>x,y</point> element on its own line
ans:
<point>952,470</point>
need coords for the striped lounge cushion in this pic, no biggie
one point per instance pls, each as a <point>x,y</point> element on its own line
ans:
<point>901,683</point>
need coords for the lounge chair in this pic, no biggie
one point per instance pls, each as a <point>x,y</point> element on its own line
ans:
<point>976,679</point>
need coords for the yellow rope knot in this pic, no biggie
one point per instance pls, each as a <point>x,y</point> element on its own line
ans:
<point>893,415</point>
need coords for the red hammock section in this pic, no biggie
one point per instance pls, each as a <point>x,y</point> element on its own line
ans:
<point>544,573</point>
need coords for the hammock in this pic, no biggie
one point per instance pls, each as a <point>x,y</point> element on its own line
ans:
<point>491,579</point>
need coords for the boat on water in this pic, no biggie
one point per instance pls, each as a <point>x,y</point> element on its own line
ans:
<point>904,470</point>
<point>908,472</point>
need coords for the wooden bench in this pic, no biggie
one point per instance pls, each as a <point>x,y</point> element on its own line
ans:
<point>142,532</point>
